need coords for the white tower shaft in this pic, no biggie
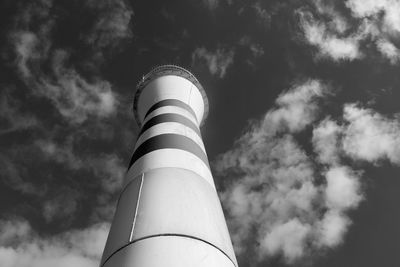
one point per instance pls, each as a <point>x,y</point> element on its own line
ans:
<point>169,214</point>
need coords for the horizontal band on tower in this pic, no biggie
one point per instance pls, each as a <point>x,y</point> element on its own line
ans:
<point>178,235</point>
<point>174,141</point>
<point>170,117</point>
<point>171,102</point>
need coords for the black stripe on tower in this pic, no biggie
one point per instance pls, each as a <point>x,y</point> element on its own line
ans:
<point>174,141</point>
<point>170,117</point>
<point>171,102</point>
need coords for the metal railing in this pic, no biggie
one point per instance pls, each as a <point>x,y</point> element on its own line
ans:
<point>164,70</point>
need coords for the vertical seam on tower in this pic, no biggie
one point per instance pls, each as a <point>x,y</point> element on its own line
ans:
<point>190,93</point>
<point>137,207</point>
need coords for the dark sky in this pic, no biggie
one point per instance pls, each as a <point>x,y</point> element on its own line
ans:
<point>303,133</point>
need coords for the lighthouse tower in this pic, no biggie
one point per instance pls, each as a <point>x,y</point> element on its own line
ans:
<point>168,213</point>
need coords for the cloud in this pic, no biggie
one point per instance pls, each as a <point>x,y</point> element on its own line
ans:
<point>111,26</point>
<point>211,4</point>
<point>329,44</point>
<point>217,61</point>
<point>12,119</point>
<point>336,20</point>
<point>73,96</point>
<point>60,153</point>
<point>389,50</point>
<point>254,50</point>
<point>22,247</point>
<point>371,8</point>
<point>363,135</point>
<point>12,175</point>
<point>264,15</point>
<point>325,141</point>
<point>331,229</point>
<point>62,206</point>
<point>374,22</point>
<point>297,107</point>
<point>107,166</point>
<point>342,188</point>
<point>25,45</point>
<point>276,193</point>
<point>50,71</point>
<point>370,136</point>
<point>67,163</point>
<point>13,231</point>
<point>107,169</point>
<point>287,238</point>
<point>31,43</point>
<point>76,105</point>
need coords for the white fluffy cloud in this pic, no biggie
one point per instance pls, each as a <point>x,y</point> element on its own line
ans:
<point>288,238</point>
<point>337,39</point>
<point>331,229</point>
<point>364,134</point>
<point>325,141</point>
<point>275,194</point>
<point>342,188</point>
<point>274,190</point>
<point>297,107</point>
<point>373,8</point>
<point>330,44</point>
<point>371,136</point>
<point>22,247</point>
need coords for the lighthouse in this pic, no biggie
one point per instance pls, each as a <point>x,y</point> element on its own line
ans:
<point>168,213</point>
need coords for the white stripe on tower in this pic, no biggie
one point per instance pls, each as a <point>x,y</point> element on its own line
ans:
<point>168,213</point>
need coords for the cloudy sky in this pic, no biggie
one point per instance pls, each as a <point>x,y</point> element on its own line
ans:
<point>303,133</point>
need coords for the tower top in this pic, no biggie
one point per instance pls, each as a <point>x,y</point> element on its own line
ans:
<point>166,70</point>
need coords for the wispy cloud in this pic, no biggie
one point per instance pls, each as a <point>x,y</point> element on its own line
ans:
<point>111,27</point>
<point>71,111</point>
<point>217,61</point>
<point>263,14</point>
<point>211,4</point>
<point>26,50</point>
<point>12,119</point>
<point>12,175</point>
<point>76,97</point>
<point>255,49</point>
<point>107,169</point>
<point>62,206</point>
<point>73,96</point>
